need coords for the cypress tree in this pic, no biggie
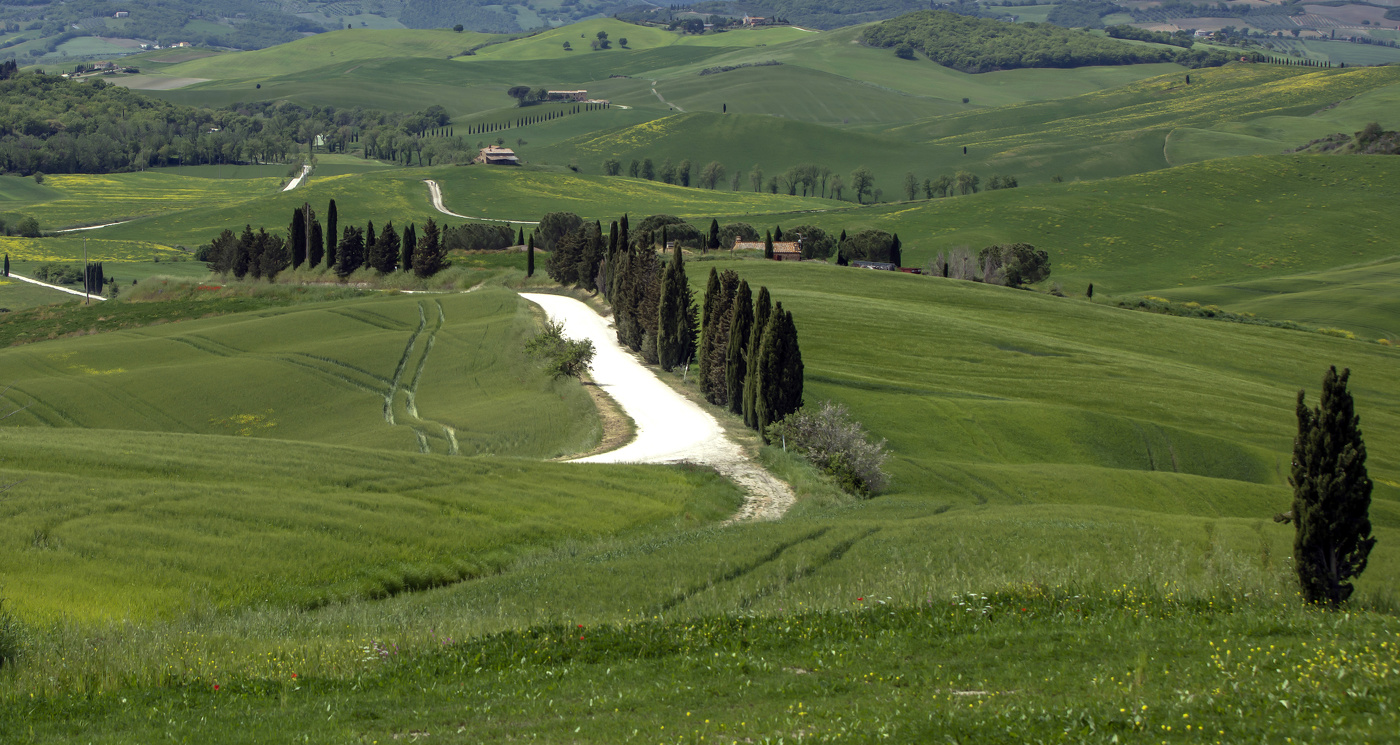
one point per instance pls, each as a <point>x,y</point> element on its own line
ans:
<point>387,255</point>
<point>768,245</point>
<point>1331,495</point>
<point>296,235</point>
<point>350,253</point>
<point>762,313</point>
<point>529,255</point>
<point>318,248</point>
<point>520,240</point>
<point>714,235</point>
<point>896,252</point>
<point>427,259</point>
<point>778,233</point>
<point>736,359</point>
<point>709,309</point>
<point>670,312</point>
<point>371,240</point>
<point>779,372</point>
<point>1089,292</point>
<point>407,247</point>
<point>243,256</point>
<point>7,265</point>
<point>331,235</point>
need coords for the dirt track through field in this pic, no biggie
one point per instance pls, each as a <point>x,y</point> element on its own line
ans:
<point>670,427</point>
<point>435,192</point>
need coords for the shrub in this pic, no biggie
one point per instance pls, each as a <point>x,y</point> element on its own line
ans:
<point>836,444</point>
<point>563,357</point>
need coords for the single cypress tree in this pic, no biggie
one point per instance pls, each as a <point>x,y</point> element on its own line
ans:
<point>709,309</point>
<point>896,251</point>
<point>670,313</point>
<point>407,247</point>
<point>768,245</point>
<point>371,241</point>
<point>387,255</point>
<point>520,239</point>
<point>7,265</point>
<point>350,253</point>
<point>778,233</point>
<point>1089,292</point>
<point>736,360</point>
<point>318,246</point>
<point>331,234</point>
<point>1331,495</point>
<point>427,260</point>
<point>296,236</point>
<point>530,256</point>
<point>762,313</point>
<point>713,243</point>
<point>243,256</point>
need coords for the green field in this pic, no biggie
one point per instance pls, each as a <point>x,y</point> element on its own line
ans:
<point>328,511</point>
<point>17,295</point>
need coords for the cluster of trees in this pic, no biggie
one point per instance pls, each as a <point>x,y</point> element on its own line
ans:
<point>747,353</point>
<point>1183,39</point>
<point>981,45</point>
<point>1082,13</point>
<point>749,358</point>
<point>25,227</point>
<point>489,127</point>
<point>870,245</point>
<point>962,182</point>
<point>805,179</point>
<point>263,255</point>
<point>1010,264</point>
<point>822,14</point>
<point>52,125</point>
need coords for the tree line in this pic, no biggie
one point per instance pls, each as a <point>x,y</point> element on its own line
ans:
<point>746,350</point>
<point>307,244</point>
<point>523,121</point>
<point>981,45</point>
<point>52,125</point>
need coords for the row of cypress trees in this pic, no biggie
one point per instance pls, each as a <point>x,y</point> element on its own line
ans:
<point>653,306</point>
<point>265,255</point>
<point>749,357</point>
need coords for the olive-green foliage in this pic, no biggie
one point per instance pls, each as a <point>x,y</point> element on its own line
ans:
<point>1022,263</point>
<point>736,351</point>
<point>982,44</point>
<point>675,315</point>
<point>562,357</point>
<point>1331,494</point>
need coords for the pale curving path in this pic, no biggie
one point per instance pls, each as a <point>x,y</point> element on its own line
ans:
<point>92,227</point>
<point>305,171</point>
<point>79,293</point>
<point>670,427</point>
<point>435,192</point>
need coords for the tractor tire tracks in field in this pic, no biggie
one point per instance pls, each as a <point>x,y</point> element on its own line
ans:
<point>670,427</point>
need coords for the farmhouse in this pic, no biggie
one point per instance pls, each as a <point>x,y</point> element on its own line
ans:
<point>754,20</point>
<point>882,265</point>
<point>566,96</point>
<point>121,14</point>
<point>782,250</point>
<point>497,156</point>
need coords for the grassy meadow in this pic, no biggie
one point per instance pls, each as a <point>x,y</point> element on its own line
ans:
<point>328,511</point>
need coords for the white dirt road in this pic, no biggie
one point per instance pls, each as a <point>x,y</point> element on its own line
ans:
<point>92,227</point>
<point>670,427</point>
<point>305,171</point>
<point>435,192</point>
<point>79,293</point>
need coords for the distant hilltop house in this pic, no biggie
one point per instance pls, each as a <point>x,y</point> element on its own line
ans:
<point>181,44</point>
<point>121,14</point>
<point>755,21</point>
<point>566,96</point>
<point>497,156</point>
<point>782,250</point>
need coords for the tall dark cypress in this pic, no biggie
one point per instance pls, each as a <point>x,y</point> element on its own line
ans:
<point>709,309</point>
<point>7,265</point>
<point>350,253</point>
<point>896,251</point>
<point>406,249</point>
<point>736,358</point>
<point>762,312</point>
<point>317,249</point>
<point>779,372</point>
<point>670,313</point>
<point>768,245</point>
<point>520,240</point>
<point>296,236</point>
<point>387,249</point>
<point>371,240</point>
<point>427,260</point>
<point>529,255</point>
<point>332,236</point>
<point>1331,495</point>
<point>713,243</point>
<point>243,255</point>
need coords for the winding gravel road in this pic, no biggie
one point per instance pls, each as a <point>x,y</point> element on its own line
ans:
<point>670,427</point>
